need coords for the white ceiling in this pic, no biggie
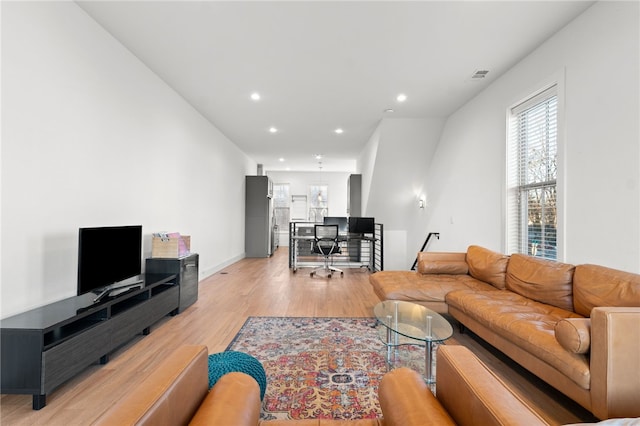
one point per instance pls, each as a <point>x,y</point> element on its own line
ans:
<point>323,65</point>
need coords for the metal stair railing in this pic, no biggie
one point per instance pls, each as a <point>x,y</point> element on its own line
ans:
<point>431,234</point>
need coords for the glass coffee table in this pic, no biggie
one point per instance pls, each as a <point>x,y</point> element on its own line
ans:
<point>408,323</point>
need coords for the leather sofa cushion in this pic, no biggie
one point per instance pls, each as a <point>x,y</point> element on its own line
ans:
<point>527,324</point>
<point>595,285</point>
<point>442,263</point>
<point>406,400</point>
<point>488,266</point>
<point>415,287</point>
<point>574,334</point>
<point>473,395</point>
<point>545,281</point>
<point>443,267</point>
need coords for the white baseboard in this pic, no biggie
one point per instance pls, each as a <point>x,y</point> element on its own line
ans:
<point>207,272</point>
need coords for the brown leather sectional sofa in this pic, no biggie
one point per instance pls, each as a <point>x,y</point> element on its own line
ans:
<point>177,394</point>
<point>575,327</point>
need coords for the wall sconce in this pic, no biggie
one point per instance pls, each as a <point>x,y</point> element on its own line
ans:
<point>421,203</point>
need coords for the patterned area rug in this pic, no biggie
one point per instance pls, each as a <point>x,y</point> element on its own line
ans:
<point>321,367</point>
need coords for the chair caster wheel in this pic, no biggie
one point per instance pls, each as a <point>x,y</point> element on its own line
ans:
<point>342,274</point>
<point>311,274</point>
<point>329,276</point>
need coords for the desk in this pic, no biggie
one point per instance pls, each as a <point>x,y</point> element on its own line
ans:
<point>357,251</point>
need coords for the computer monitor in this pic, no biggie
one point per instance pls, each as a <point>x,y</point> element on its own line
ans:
<point>343,224</point>
<point>361,225</point>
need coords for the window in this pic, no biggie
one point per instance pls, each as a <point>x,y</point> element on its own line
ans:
<point>281,207</point>
<point>532,176</point>
<point>318,206</point>
<point>298,207</point>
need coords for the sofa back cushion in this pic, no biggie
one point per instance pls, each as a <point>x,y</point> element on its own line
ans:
<point>442,263</point>
<point>488,266</point>
<point>600,286</point>
<point>542,280</point>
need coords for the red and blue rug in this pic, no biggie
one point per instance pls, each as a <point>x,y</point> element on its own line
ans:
<point>320,367</point>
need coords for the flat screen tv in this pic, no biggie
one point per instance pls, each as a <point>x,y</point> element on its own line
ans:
<point>108,256</point>
<point>342,223</point>
<point>361,225</point>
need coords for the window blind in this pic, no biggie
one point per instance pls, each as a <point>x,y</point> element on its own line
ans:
<point>532,177</point>
<point>281,209</point>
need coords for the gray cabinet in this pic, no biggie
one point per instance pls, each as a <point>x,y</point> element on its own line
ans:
<point>186,268</point>
<point>354,209</point>
<point>259,229</point>
<point>354,195</point>
<point>71,357</point>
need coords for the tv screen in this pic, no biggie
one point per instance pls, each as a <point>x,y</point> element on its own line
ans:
<point>108,255</point>
<point>361,225</point>
<point>343,224</point>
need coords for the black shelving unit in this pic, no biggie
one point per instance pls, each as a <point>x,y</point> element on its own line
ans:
<point>44,347</point>
<point>186,270</point>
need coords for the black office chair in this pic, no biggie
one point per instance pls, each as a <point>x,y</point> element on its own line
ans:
<point>326,243</point>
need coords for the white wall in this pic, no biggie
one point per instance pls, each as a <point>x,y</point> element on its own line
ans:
<point>596,61</point>
<point>366,164</point>
<point>394,165</point>
<point>91,137</point>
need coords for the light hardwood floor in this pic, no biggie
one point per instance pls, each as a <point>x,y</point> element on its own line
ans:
<point>250,287</point>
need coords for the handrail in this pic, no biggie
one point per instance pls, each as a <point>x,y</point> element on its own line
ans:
<point>437,235</point>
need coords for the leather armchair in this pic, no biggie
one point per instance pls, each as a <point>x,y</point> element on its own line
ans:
<point>468,393</point>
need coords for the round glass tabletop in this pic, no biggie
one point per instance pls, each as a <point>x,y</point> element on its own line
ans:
<point>413,321</point>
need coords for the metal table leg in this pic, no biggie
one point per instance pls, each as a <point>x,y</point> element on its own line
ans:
<point>428,362</point>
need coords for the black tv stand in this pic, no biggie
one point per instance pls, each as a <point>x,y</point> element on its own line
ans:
<point>44,347</point>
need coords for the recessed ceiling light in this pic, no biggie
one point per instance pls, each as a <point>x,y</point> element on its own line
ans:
<point>389,110</point>
<point>318,156</point>
<point>401,97</point>
<point>273,129</point>
<point>339,131</point>
<point>281,160</point>
<point>255,96</point>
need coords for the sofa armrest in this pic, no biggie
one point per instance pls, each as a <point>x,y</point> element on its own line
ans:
<point>615,362</point>
<point>169,396</point>
<point>474,395</point>
<point>468,394</point>
<point>233,400</point>
<point>406,400</point>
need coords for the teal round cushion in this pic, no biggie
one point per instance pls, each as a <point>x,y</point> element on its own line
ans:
<point>232,361</point>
